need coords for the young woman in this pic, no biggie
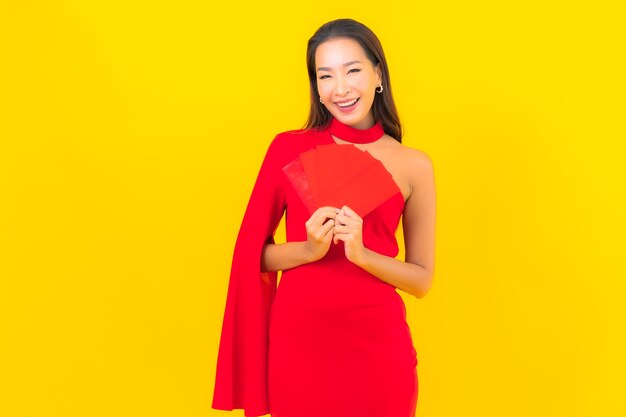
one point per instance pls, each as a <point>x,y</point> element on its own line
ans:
<point>332,340</point>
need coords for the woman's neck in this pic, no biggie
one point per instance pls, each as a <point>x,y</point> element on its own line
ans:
<point>354,135</point>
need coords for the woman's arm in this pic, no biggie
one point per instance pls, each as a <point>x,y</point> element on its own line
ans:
<point>415,275</point>
<point>280,256</point>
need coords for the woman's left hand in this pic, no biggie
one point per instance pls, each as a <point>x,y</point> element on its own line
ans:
<point>349,229</point>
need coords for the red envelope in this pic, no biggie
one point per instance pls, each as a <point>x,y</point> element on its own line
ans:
<point>338,175</point>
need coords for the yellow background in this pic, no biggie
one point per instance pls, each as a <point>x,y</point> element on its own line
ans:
<point>131,135</point>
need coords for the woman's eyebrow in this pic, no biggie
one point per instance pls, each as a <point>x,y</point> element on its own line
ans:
<point>345,65</point>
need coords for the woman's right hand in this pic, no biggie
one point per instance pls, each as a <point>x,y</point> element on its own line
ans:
<point>319,231</point>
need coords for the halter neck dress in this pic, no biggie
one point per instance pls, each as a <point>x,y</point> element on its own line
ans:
<point>328,340</point>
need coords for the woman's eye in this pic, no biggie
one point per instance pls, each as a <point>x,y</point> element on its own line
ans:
<point>324,76</point>
<point>355,70</point>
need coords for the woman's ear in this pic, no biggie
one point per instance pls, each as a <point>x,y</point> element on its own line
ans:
<point>379,74</point>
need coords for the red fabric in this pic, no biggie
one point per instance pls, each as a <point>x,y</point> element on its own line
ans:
<point>354,135</point>
<point>241,372</point>
<point>337,175</point>
<point>332,339</point>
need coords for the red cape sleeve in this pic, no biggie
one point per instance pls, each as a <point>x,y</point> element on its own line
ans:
<point>241,371</point>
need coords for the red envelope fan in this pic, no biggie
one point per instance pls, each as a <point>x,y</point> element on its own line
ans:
<point>309,162</point>
<point>294,171</point>
<point>338,179</point>
<point>337,175</point>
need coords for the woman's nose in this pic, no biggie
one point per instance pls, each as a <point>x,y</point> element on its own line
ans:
<point>342,86</point>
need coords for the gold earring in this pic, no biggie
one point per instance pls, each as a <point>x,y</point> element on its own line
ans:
<point>381,89</point>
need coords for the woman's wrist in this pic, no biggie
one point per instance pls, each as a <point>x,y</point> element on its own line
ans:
<point>364,258</point>
<point>307,255</point>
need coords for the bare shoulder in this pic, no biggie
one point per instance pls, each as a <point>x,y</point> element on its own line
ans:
<point>415,166</point>
<point>415,157</point>
<point>412,159</point>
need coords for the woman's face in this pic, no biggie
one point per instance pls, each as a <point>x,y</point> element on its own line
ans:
<point>345,74</point>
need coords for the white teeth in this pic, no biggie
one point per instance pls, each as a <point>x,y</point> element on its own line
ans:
<point>350,103</point>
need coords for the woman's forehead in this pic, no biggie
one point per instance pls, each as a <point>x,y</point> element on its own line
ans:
<point>339,52</point>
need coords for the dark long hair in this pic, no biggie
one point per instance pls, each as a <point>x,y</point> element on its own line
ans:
<point>383,107</point>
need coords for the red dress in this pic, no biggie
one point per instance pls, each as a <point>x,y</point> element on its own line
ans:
<point>332,339</point>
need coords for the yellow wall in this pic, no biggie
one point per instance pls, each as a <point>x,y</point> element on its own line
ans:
<point>130,137</point>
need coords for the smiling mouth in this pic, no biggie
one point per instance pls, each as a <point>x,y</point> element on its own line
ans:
<point>348,103</point>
